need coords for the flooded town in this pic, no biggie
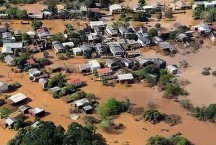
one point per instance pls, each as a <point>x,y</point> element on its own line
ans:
<point>107,72</point>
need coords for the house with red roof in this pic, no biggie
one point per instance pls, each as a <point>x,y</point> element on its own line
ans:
<point>104,72</point>
<point>76,82</point>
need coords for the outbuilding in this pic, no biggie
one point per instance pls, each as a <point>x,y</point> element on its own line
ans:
<point>173,69</point>
<point>9,122</point>
<point>24,108</point>
<point>125,77</point>
<point>37,112</point>
<point>9,60</point>
<point>3,87</point>
<point>115,8</point>
<point>16,99</point>
<point>94,65</point>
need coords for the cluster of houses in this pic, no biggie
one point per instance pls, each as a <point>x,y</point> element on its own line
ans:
<point>19,101</point>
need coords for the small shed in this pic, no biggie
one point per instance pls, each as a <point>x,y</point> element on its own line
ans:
<point>16,99</point>
<point>77,51</point>
<point>173,69</point>
<point>125,77</point>
<point>3,87</point>
<point>9,122</point>
<point>37,112</point>
<point>9,60</point>
<point>24,108</point>
<point>79,104</point>
<point>84,67</point>
<point>43,82</point>
<point>55,89</point>
<point>88,109</point>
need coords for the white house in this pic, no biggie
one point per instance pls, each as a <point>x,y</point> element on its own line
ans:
<point>3,87</point>
<point>97,24</point>
<point>76,82</point>
<point>172,69</point>
<point>111,31</point>
<point>125,77</point>
<point>94,65</point>
<point>8,47</point>
<point>115,8</point>
<point>206,4</point>
<point>204,28</point>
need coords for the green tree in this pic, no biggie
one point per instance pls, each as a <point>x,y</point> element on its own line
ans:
<point>21,13</point>
<point>68,89</point>
<point>21,61</point>
<point>158,140</point>
<point>52,6</point>
<point>157,25</point>
<point>79,135</point>
<point>198,12</point>
<point>54,81</point>
<point>58,37</point>
<point>112,107</point>
<point>78,95</point>
<point>36,24</point>
<point>142,2</point>
<point>153,116</point>
<point>179,140</point>
<point>25,36</point>
<point>46,54</point>
<point>168,14</point>
<point>140,16</point>
<point>152,32</point>
<point>4,112</point>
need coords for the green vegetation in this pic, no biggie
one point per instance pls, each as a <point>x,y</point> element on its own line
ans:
<point>14,12</point>
<point>153,116</point>
<point>158,140</point>
<point>58,37</point>
<point>168,14</point>
<point>174,140</point>
<point>36,24</point>
<point>21,61</point>
<point>78,95</point>
<point>140,16</point>
<point>4,112</point>
<point>23,1</point>
<point>174,90</point>
<point>25,36</point>
<point>44,61</point>
<point>49,134</point>
<point>67,89</point>
<point>112,107</point>
<point>152,32</point>
<point>57,80</point>
<point>157,25</point>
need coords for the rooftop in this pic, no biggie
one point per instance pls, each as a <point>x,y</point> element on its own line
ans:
<point>104,70</point>
<point>128,76</point>
<point>36,110</point>
<point>81,102</point>
<point>17,97</point>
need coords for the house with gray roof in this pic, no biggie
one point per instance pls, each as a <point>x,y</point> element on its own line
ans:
<point>116,49</point>
<point>58,47</point>
<point>8,48</point>
<point>9,60</point>
<point>7,37</point>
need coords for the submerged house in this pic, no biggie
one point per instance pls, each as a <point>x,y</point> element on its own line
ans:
<point>16,99</point>
<point>9,60</point>
<point>37,112</point>
<point>8,48</point>
<point>116,49</point>
<point>104,72</point>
